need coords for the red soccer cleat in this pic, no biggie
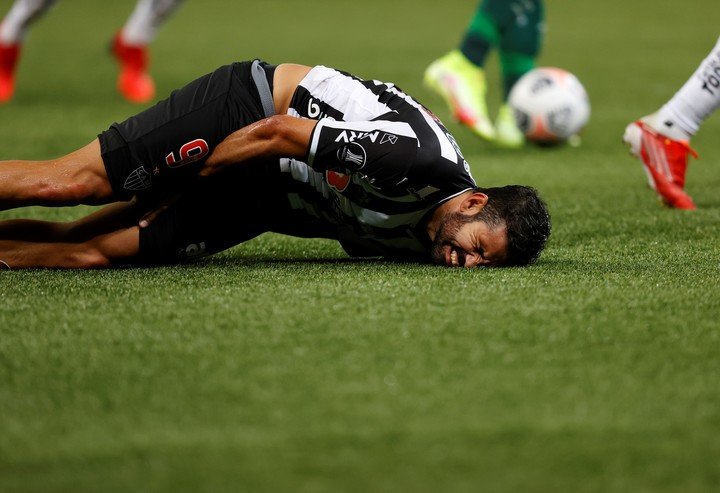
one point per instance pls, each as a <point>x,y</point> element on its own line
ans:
<point>9,55</point>
<point>664,160</point>
<point>134,83</point>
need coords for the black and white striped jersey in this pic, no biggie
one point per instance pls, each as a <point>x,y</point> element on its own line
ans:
<point>378,163</point>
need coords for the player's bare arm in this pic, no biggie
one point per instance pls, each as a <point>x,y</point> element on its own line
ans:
<point>277,136</point>
<point>80,177</point>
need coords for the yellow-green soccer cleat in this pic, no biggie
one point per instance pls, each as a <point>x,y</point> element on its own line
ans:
<point>508,133</point>
<point>462,85</point>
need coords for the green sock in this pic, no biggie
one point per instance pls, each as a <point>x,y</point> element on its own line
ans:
<point>482,34</point>
<point>514,27</point>
<point>514,66</point>
<point>520,40</point>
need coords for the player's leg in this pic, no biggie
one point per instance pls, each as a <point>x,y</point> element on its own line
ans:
<point>161,149</point>
<point>458,76</point>
<point>218,214</point>
<point>13,29</point>
<point>106,220</point>
<point>145,21</point>
<point>76,178</point>
<point>107,237</point>
<point>662,140</point>
<point>153,152</point>
<point>520,41</point>
<point>130,47</point>
<point>681,117</point>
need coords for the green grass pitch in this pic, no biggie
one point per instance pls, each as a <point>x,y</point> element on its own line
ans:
<point>281,365</point>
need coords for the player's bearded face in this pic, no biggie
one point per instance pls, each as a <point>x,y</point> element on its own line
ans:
<point>446,234</point>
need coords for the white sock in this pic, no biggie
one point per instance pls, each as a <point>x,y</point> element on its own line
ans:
<point>695,100</point>
<point>15,25</point>
<point>143,24</point>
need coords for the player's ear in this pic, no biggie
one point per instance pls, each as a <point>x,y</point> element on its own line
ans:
<point>473,203</point>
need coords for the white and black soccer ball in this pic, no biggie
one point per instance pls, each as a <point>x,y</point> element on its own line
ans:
<point>550,105</point>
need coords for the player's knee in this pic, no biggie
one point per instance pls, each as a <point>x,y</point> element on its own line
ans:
<point>89,257</point>
<point>72,189</point>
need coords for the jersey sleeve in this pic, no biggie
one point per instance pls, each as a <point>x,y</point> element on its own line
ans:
<point>382,150</point>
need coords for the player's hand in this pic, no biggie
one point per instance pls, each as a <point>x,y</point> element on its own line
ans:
<point>149,217</point>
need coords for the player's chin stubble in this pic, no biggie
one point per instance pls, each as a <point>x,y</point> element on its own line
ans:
<point>446,232</point>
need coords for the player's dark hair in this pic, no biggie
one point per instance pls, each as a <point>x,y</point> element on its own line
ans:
<point>526,219</point>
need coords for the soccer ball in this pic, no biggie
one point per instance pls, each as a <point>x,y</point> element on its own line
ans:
<point>550,105</point>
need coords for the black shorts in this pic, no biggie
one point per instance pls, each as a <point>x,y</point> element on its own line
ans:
<point>158,152</point>
<point>225,210</point>
<point>162,147</point>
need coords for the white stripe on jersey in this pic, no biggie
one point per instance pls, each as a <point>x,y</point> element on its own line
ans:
<point>382,220</point>
<point>347,94</point>
<point>447,150</point>
<point>397,128</point>
<point>314,143</point>
<point>364,216</point>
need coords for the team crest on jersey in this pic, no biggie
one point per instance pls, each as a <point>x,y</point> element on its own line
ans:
<point>138,180</point>
<point>352,155</point>
<point>338,181</point>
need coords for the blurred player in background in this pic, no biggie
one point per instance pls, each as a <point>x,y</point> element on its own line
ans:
<point>513,26</point>
<point>129,46</point>
<point>662,140</point>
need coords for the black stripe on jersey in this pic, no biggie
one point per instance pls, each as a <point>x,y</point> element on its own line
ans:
<point>367,198</point>
<point>367,231</point>
<point>362,198</point>
<point>310,106</point>
<point>390,200</point>
<point>384,96</point>
<point>405,111</point>
<point>373,201</point>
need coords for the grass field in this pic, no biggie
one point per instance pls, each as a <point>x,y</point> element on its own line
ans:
<point>281,365</point>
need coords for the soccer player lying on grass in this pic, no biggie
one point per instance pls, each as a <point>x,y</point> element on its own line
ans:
<point>251,148</point>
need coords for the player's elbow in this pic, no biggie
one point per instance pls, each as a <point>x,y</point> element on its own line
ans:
<point>275,129</point>
<point>286,135</point>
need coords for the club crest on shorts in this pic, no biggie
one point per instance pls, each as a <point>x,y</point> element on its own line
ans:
<point>138,180</point>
